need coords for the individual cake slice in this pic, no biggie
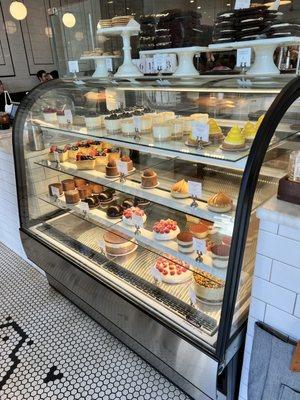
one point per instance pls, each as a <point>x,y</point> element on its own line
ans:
<point>129,213</point>
<point>50,115</point>
<point>73,151</point>
<point>220,203</point>
<point>149,179</point>
<point>113,123</point>
<point>180,190</point>
<point>173,270</point>
<point>93,120</point>
<point>127,126</point>
<point>85,162</point>
<point>72,196</point>
<point>185,242</point>
<point>162,132</point>
<point>208,287</point>
<point>165,229</point>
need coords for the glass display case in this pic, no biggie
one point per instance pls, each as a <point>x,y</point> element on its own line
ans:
<point>138,199</point>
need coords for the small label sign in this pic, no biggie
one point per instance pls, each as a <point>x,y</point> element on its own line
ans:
<point>84,206</point>
<point>55,191</point>
<point>69,116</point>
<point>73,66</point>
<point>160,62</point>
<point>200,130</point>
<point>195,189</point>
<point>56,156</point>
<point>101,244</point>
<point>193,296</point>
<point>122,167</point>
<point>242,4</point>
<point>243,57</point>
<point>199,245</point>
<point>155,274</point>
<point>137,122</point>
<point>137,220</point>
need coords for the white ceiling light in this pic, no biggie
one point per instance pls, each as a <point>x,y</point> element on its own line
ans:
<point>69,20</point>
<point>18,10</point>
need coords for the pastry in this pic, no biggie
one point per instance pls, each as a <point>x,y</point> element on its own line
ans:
<point>215,132</point>
<point>113,154</point>
<point>220,203</point>
<point>68,184</point>
<point>130,212</point>
<point>129,162</point>
<point>158,119</point>
<point>141,203</point>
<point>207,287</point>
<point>63,154</point>
<point>149,179</point>
<point>187,125</point>
<point>79,182</point>
<point>168,115</point>
<point>84,147</point>
<point>111,169</point>
<point>73,150</point>
<point>62,119</point>
<point>220,255</point>
<point>162,132</point>
<point>173,270</point>
<point>185,242</point>
<point>199,230</point>
<point>101,158</point>
<point>84,191</point>
<point>106,198</point>
<point>85,162</point>
<point>117,244</point>
<point>127,126</point>
<point>209,224</point>
<point>113,123</point>
<point>56,186</point>
<point>146,123</point>
<point>97,145</point>
<point>92,201</point>
<point>127,203</point>
<point>96,188</point>
<point>180,190</point>
<point>259,121</point>
<point>114,211</point>
<point>93,120</point>
<point>50,115</point>
<point>165,229</point>
<point>234,139</point>
<point>72,196</point>
<point>177,128</point>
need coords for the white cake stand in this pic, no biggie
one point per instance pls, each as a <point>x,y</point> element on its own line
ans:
<point>127,69</point>
<point>185,56</point>
<point>263,50</point>
<point>101,70</point>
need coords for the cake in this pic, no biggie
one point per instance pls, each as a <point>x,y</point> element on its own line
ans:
<point>127,203</point>
<point>180,190</point>
<point>97,145</point>
<point>118,245</point>
<point>259,121</point>
<point>141,203</point>
<point>133,211</point>
<point>63,154</point>
<point>162,132</point>
<point>187,125</point>
<point>185,242</point>
<point>209,225</point>
<point>149,179</point>
<point>177,128</point>
<point>111,169</point>
<point>68,184</point>
<point>113,154</point>
<point>85,162</point>
<point>84,147</point>
<point>199,230</point>
<point>73,150</point>
<point>127,126</point>
<point>207,287</point>
<point>168,115</point>
<point>220,255</point>
<point>173,270</point>
<point>215,132</point>
<point>92,201</point>
<point>113,123</point>
<point>61,118</point>
<point>72,196</point>
<point>106,198</point>
<point>128,161</point>
<point>84,191</point>
<point>50,115</point>
<point>249,131</point>
<point>146,123</point>
<point>220,203</point>
<point>234,139</point>
<point>55,187</point>
<point>101,158</point>
<point>114,211</point>
<point>93,121</point>
<point>79,182</point>
<point>165,229</point>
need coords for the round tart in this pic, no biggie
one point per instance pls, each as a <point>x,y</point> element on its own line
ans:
<point>185,242</point>
<point>130,212</point>
<point>173,270</point>
<point>114,211</point>
<point>117,245</point>
<point>220,203</point>
<point>165,229</point>
<point>180,190</point>
<point>208,288</point>
<point>199,230</point>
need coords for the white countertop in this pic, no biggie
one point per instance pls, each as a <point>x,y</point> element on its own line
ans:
<point>280,212</point>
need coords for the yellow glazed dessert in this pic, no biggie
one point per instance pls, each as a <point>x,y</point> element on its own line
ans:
<point>249,131</point>
<point>215,131</point>
<point>259,121</point>
<point>234,139</point>
<point>180,190</point>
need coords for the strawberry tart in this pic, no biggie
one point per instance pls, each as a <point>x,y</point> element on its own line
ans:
<point>130,212</point>
<point>165,229</point>
<point>173,270</point>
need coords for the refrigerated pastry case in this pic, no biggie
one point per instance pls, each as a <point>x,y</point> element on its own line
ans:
<point>140,207</point>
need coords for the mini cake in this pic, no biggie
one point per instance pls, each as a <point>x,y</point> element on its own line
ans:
<point>129,162</point>
<point>220,255</point>
<point>173,270</point>
<point>127,126</point>
<point>162,132</point>
<point>113,123</point>
<point>185,242</point>
<point>149,179</point>
<point>208,288</point>
<point>49,115</point>
<point>259,121</point>
<point>73,151</point>
<point>118,245</point>
<point>84,191</point>
<point>79,182</point>
<point>56,186</point>
<point>92,201</point>
<point>111,169</point>
<point>63,154</point>
<point>219,202</point>
<point>199,230</point>
<point>114,211</point>
<point>93,121</point>
<point>249,131</point>
<point>130,212</point>
<point>187,125</point>
<point>68,184</point>
<point>180,190</point>
<point>61,118</point>
<point>158,119</point>
<point>106,198</point>
<point>165,229</point>
<point>215,132</point>
<point>72,196</point>
<point>234,139</point>
<point>177,128</point>
<point>85,162</point>
<point>146,123</point>
<point>114,154</point>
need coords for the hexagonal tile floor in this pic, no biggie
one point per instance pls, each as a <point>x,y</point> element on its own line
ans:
<point>49,349</point>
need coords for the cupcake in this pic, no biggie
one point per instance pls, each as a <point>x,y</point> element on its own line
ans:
<point>185,242</point>
<point>92,120</point>
<point>149,179</point>
<point>220,203</point>
<point>180,190</point>
<point>113,123</point>
<point>111,169</point>
<point>234,139</point>
<point>85,162</point>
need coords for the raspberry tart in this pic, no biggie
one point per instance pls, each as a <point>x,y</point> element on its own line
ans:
<point>173,270</point>
<point>130,212</point>
<point>165,229</point>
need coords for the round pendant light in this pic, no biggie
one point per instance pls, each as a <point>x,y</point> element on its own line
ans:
<point>69,20</point>
<point>18,10</point>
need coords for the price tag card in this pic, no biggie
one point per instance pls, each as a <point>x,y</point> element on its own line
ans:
<point>122,167</point>
<point>84,206</point>
<point>199,245</point>
<point>109,64</point>
<point>160,62</point>
<point>200,130</point>
<point>138,221</point>
<point>195,189</point>
<point>56,156</point>
<point>243,57</point>
<point>101,244</point>
<point>137,122</point>
<point>193,296</point>
<point>73,66</point>
<point>55,191</point>
<point>242,4</point>
<point>69,116</point>
<point>155,274</point>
